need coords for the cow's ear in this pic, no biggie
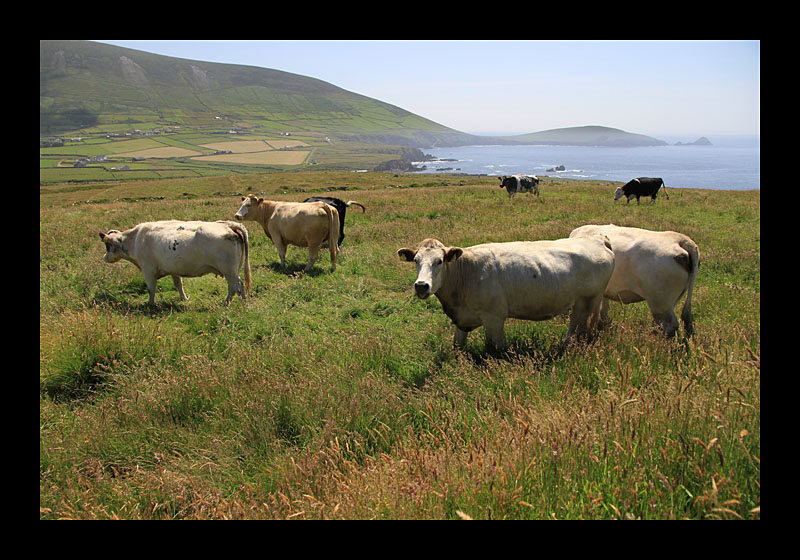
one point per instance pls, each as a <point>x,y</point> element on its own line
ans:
<point>452,253</point>
<point>244,198</point>
<point>106,237</point>
<point>259,199</point>
<point>407,254</point>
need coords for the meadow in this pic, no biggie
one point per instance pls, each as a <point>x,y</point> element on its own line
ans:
<point>340,396</point>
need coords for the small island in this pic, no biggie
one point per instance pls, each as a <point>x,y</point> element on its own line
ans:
<point>702,141</point>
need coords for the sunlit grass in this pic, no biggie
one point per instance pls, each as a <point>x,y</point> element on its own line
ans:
<point>339,395</point>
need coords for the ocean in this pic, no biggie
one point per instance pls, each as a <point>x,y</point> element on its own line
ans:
<point>730,163</point>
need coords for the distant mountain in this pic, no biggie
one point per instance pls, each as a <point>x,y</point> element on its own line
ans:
<point>588,136</point>
<point>85,84</point>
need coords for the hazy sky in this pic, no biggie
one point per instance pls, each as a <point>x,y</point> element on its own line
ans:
<point>691,88</point>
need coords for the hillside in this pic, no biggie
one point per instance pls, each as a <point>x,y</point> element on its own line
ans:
<point>111,113</point>
<point>588,136</point>
<point>83,84</point>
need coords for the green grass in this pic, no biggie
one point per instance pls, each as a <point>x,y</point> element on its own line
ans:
<point>339,395</point>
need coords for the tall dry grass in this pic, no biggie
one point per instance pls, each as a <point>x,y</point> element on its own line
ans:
<point>340,395</point>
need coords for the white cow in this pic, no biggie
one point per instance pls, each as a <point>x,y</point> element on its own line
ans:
<point>304,224</point>
<point>655,266</point>
<point>184,249</point>
<point>533,280</point>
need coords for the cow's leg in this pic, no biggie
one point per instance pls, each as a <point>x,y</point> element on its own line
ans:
<point>281,247</point>
<point>178,282</point>
<point>150,280</point>
<point>495,334</point>
<point>595,310</point>
<point>583,318</point>
<point>235,286</point>
<point>313,253</point>
<point>604,311</point>
<point>460,338</point>
<point>241,288</point>
<point>667,322</point>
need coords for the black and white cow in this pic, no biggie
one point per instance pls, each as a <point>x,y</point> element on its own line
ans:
<point>641,186</point>
<point>341,207</point>
<point>520,183</point>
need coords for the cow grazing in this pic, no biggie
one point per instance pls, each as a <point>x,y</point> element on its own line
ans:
<point>184,249</point>
<point>485,284</point>
<point>642,186</point>
<point>520,183</point>
<point>341,207</point>
<point>655,266</point>
<point>304,224</point>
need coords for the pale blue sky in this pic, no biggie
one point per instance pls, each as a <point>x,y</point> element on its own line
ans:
<point>691,88</point>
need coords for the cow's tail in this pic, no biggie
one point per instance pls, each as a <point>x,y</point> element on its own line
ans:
<point>333,233</point>
<point>664,186</point>
<point>349,202</point>
<point>692,266</point>
<point>242,232</point>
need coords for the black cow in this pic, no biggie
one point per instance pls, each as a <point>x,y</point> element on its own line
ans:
<point>520,183</point>
<point>642,186</point>
<point>341,208</point>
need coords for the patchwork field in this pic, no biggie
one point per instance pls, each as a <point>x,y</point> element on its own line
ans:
<point>158,153</point>
<point>242,146</point>
<point>271,157</point>
<point>95,155</point>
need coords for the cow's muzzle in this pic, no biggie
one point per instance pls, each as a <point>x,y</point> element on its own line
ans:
<point>422,289</point>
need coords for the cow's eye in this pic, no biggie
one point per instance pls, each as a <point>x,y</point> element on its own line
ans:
<point>437,262</point>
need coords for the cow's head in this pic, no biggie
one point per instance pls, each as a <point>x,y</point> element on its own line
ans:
<point>114,249</point>
<point>248,202</point>
<point>430,258</point>
<point>618,193</point>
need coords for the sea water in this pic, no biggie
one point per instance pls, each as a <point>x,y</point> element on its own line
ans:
<point>731,162</point>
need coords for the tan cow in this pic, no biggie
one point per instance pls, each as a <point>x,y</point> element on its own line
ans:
<point>304,224</point>
<point>184,249</point>
<point>653,266</point>
<point>485,284</point>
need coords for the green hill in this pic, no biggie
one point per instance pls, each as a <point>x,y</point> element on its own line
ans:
<point>83,84</point>
<point>588,136</point>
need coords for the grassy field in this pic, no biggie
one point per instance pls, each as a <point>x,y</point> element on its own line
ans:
<point>339,395</point>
